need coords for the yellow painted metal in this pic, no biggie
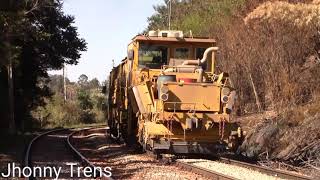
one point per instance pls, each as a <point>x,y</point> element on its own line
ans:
<point>213,60</point>
<point>182,116</point>
<point>193,96</point>
<point>167,119</point>
<point>152,128</point>
<point>145,97</point>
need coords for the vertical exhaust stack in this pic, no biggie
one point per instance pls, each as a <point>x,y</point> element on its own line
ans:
<point>202,61</point>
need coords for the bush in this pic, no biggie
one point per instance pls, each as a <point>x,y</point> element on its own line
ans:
<point>87,116</point>
<point>85,106</point>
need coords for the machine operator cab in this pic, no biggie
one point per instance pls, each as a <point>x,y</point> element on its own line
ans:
<point>160,50</point>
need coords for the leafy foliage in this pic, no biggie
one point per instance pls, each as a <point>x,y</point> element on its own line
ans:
<point>83,80</point>
<point>84,100</point>
<point>84,104</point>
<point>199,16</point>
<point>41,38</point>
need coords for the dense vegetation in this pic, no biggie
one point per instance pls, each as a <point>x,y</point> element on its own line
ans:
<point>35,36</point>
<point>271,50</point>
<point>82,103</point>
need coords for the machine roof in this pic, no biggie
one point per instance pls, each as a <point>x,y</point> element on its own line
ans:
<point>173,39</point>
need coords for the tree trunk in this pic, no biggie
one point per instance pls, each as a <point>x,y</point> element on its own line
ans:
<point>64,85</point>
<point>12,124</point>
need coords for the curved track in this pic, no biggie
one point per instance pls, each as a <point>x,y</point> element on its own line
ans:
<point>83,159</point>
<point>54,149</point>
<point>126,162</point>
<point>49,150</point>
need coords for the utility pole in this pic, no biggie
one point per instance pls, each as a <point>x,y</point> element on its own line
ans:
<point>64,84</point>
<point>112,63</point>
<point>169,14</point>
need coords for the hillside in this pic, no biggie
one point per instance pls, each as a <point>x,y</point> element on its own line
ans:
<point>271,50</point>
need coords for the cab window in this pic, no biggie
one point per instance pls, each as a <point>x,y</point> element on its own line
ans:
<point>152,56</point>
<point>199,52</point>
<point>181,53</point>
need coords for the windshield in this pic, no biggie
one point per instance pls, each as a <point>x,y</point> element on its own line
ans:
<point>152,56</point>
<point>181,53</point>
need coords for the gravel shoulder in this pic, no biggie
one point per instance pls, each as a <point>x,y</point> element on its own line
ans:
<point>124,161</point>
<point>230,170</point>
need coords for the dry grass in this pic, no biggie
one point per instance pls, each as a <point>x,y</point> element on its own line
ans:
<point>317,2</point>
<point>279,48</point>
<point>279,44</point>
<point>300,14</point>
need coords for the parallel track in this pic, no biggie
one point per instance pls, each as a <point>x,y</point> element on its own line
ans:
<point>78,155</point>
<point>265,170</point>
<point>203,171</point>
<point>217,175</point>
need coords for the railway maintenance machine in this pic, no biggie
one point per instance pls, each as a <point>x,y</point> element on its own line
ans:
<point>166,96</point>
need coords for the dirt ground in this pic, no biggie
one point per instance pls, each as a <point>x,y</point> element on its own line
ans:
<point>12,149</point>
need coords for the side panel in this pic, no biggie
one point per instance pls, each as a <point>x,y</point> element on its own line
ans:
<point>143,98</point>
<point>199,97</point>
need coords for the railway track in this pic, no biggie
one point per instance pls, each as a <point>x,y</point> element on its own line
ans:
<point>265,170</point>
<point>126,162</point>
<point>206,172</point>
<point>48,150</point>
<point>54,149</point>
<point>83,159</point>
<point>214,174</point>
<point>59,147</point>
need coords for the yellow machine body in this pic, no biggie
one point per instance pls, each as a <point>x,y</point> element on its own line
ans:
<point>166,96</point>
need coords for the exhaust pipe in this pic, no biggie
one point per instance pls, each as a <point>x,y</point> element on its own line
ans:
<point>204,58</point>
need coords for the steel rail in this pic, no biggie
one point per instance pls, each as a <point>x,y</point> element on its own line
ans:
<point>203,171</point>
<point>28,154</point>
<point>79,155</point>
<point>265,170</point>
<point>27,158</point>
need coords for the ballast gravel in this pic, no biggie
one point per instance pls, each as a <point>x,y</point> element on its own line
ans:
<point>125,162</point>
<point>230,170</point>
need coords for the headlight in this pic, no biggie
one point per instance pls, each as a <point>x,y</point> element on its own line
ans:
<point>164,89</point>
<point>225,91</point>
<point>164,97</point>
<point>225,99</point>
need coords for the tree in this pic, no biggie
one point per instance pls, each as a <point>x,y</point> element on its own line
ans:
<point>94,83</point>
<point>159,20</point>
<point>42,38</point>
<point>56,84</point>
<point>199,16</point>
<point>83,80</point>
<point>84,100</point>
